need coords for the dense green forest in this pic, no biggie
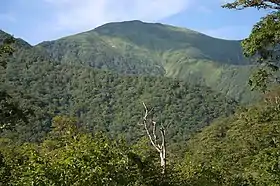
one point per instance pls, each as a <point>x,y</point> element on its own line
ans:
<point>67,122</point>
<point>109,102</point>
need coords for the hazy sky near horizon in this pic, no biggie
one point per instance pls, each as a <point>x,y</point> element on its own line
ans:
<point>40,20</point>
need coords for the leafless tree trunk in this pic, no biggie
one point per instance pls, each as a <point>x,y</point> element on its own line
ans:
<point>159,146</point>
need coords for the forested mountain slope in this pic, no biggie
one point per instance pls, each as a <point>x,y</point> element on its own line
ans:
<point>135,47</point>
<point>106,101</point>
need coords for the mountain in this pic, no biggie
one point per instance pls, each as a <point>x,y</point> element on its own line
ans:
<point>105,100</point>
<point>241,147</point>
<point>19,44</point>
<point>135,47</point>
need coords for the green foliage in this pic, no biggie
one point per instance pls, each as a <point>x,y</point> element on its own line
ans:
<point>263,43</point>
<point>70,157</point>
<point>239,150</point>
<point>259,4</point>
<point>10,111</point>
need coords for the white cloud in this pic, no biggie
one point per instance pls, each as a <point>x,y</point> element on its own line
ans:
<point>78,15</point>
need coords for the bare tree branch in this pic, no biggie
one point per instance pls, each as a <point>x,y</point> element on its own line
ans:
<point>161,148</point>
<point>154,131</point>
<point>147,130</point>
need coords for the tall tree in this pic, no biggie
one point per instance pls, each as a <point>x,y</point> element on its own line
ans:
<point>10,112</point>
<point>153,137</point>
<point>263,43</point>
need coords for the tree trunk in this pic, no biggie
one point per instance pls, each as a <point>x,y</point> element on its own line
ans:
<point>163,161</point>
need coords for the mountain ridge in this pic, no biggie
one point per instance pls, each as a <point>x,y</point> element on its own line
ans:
<point>136,47</point>
<point>156,49</point>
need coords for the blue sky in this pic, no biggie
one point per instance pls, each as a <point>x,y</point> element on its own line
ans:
<point>39,20</point>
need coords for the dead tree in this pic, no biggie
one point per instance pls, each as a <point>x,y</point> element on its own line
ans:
<point>160,146</point>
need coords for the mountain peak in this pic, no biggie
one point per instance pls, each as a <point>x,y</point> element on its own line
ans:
<point>138,24</point>
<point>18,42</point>
<point>129,22</point>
